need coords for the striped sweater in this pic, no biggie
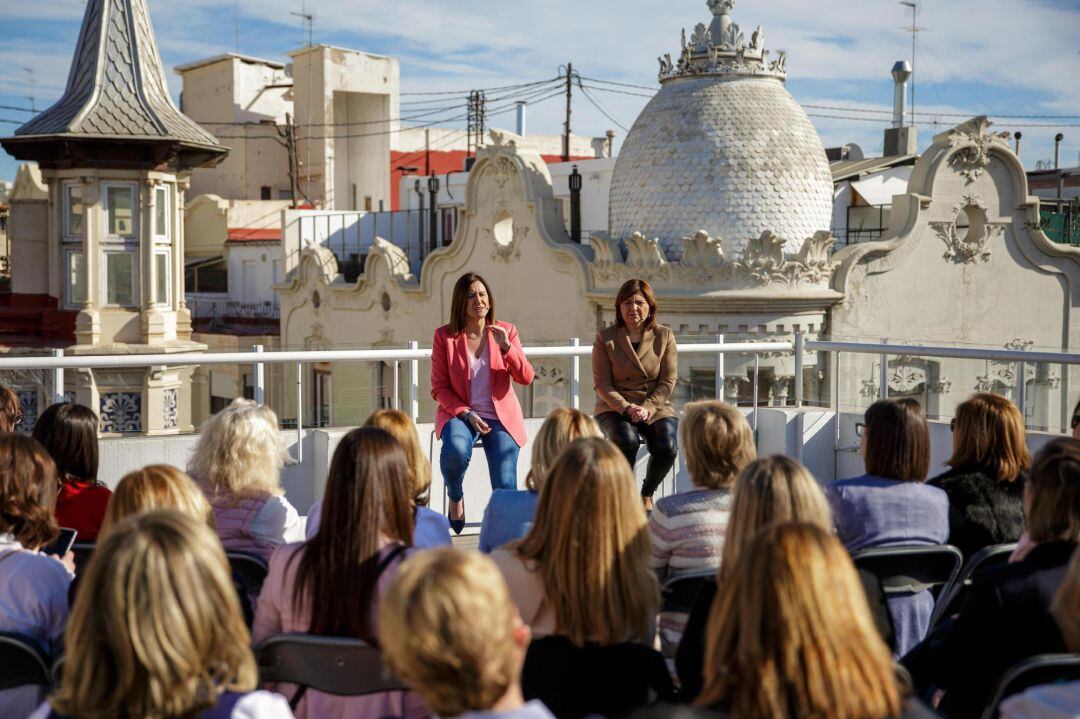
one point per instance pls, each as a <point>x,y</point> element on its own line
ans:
<point>687,531</point>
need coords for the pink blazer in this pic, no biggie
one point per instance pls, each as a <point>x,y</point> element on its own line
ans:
<point>451,386</point>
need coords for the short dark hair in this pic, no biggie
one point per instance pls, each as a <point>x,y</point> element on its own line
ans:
<point>27,491</point>
<point>897,440</point>
<point>636,287</point>
<point>459,300</point>
<point>9,409</point>
<point>1075,417</point>
<point>1054,486</point>
<point>68,431</point>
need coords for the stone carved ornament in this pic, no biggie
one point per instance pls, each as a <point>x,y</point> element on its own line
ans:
<point>762,264</point>
<point>971,143</point>
<point>707,53</point>
<point>972,247</point>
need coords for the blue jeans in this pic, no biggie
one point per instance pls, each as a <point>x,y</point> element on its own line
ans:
<point>458,438</point>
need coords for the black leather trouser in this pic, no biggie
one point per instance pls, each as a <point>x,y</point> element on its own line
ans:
<point>661,439</point>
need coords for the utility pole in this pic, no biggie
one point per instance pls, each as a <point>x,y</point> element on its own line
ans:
<point>289,135</point>
<point>566,125</point>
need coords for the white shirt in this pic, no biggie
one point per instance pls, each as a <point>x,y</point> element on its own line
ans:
<point>256,705</point>
<point>34,603</point>
<point>278,519</point>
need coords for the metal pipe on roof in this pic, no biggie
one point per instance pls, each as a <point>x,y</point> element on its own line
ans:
<point>901,71</point>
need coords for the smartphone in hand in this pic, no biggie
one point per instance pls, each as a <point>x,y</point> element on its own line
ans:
<point>63,543</point>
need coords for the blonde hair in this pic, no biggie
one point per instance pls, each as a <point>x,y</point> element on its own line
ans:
<point>989,434</point>
<point>717,442</point>
<point>591,547</point>
<point>771,489</point>
<point>1066,605</point>
<point>561,427</point>
<point>156,486</point>
<point>239,453</point>
<point>447,625</point>
<point>401,427</point>
<point>791,635</point>
<point>156,630</point>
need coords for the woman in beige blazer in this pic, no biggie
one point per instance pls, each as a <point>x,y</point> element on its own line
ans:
<point>635,368</point>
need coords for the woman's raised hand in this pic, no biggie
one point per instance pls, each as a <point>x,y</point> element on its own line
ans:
<point>501,336</point>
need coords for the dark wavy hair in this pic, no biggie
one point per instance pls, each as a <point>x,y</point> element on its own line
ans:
<point>28,489</point>
<point>897,440</point>
<point>68,431</point>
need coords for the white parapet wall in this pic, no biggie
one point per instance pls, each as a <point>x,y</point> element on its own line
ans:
<point>808,435</point>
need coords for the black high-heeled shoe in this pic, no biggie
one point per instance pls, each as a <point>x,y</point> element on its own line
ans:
<point>458,524</point>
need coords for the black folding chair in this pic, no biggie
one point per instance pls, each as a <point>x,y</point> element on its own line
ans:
<point>333,665</point>
<point>1032,672</point>
<point>910,569</point>
<point>83,551</point>
<point>679,593</point>
<point>22,662</point>
<point>950,601</point>
<point>250,568</point>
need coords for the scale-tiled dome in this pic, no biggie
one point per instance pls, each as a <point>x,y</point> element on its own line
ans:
<point>722,147</point>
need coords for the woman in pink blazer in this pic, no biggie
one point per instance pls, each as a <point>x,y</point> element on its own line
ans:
<point>473,360</point>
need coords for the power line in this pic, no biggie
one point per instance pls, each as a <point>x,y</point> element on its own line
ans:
<point>18,109</point>
<point>620,84</point>
<point>617,92</point>
<point>604,112</point>
<point>14,122</point>
<point>485,89</point>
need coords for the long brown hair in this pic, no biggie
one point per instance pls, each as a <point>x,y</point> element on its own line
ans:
<point>69,434</point>
<point>367,498</point>
<point>791,634</point>
<point>989,436</point>
<point>770,490</point>
<point>595,571</point>
<point>459,301</point>
<point>402,428</point>
<point>1054,492</point>
<point>156,630</point>
<point>897,440</point>
<point>636,287</point>
<point>27,491</point>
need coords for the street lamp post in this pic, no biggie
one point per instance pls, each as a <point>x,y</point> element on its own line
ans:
<point>433,190</point>
<point>575,205</point>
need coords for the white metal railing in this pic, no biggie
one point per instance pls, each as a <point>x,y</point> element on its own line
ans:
<point>259,358</point>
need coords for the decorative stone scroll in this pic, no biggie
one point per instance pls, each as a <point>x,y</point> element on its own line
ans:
<point>762,264</point>
<point>970,144</point>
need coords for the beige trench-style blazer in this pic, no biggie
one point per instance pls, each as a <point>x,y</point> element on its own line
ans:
<point>623,377</point>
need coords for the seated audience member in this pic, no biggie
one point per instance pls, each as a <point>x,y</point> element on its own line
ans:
<point>10,412</point>
<point>985,493</point>
<point>687,529</point>
<point>1074,423</point>
<point>769,490</point>
<point>161,486</point>
<point>892,504</point>
<point>790,635</point>
<point>430,528</point>
<point>69,432</point>
<point>157,632</point>
<point>1006,617</point>
<point>33,586</point>
<point>581,580</point>
<point>238,462</point>
<point>1062,700</point>
<point>451,632</point>
<point>330,585</point>
<point>509,513</point>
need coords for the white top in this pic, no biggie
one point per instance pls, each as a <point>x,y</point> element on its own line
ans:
<point>480,379</point>
<point>256,705</point>
<point>278,519</point>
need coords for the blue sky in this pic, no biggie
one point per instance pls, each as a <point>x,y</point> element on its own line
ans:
<point>1003,57</point>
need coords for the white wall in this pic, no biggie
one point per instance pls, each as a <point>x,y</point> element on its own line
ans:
<point>251,271</point>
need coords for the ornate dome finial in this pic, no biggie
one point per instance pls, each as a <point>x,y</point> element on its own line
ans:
<point>721,49</point>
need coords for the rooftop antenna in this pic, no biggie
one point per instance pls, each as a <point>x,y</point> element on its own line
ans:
<point>31,97</point>
<point>308,20</point>
<point>914,30</point>
<point>236,24</point>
